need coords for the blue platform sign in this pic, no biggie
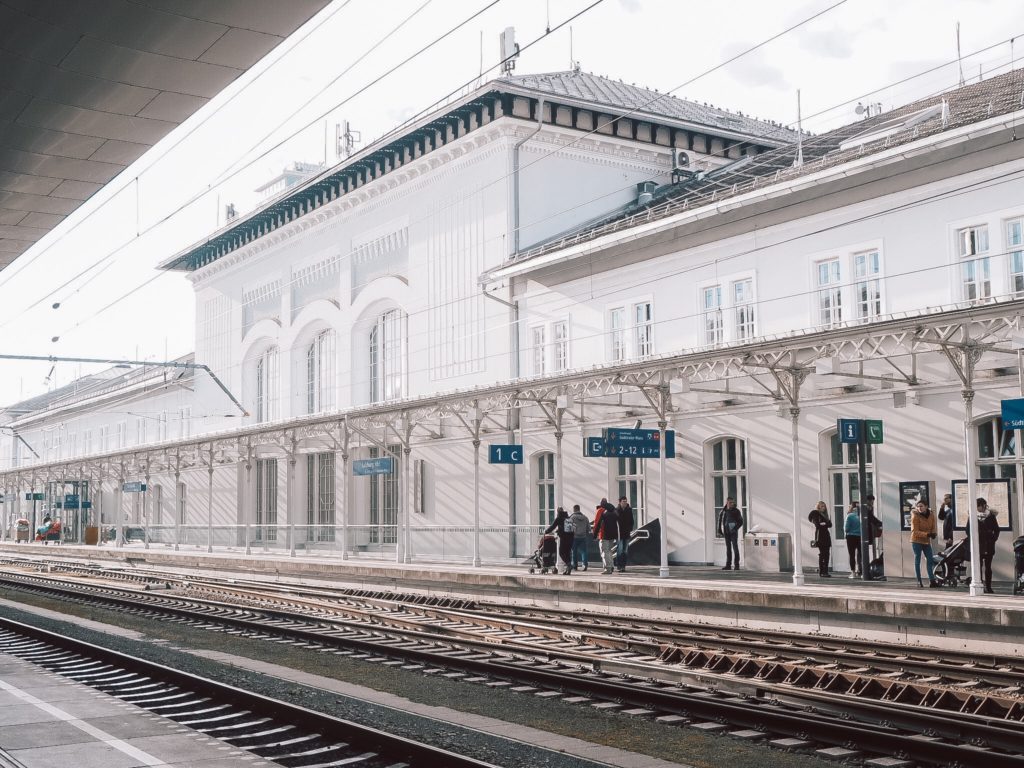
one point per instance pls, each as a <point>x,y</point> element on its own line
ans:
<point>849,430</point>
<point>1013,414</point>
<point>385,465</point>
<point>71,501</point>
<point>632,443</point>
<point>135,486</point>
<point>504,454</point>
<point>35,496</point>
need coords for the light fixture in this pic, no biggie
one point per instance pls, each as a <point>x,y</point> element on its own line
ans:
<point>899,399</point>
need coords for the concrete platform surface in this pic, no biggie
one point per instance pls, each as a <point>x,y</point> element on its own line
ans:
<point>47,721</point>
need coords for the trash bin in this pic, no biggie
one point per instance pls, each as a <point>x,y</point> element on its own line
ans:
<point>768,552</point>
<point>22,529</point>
<point>92,534</point>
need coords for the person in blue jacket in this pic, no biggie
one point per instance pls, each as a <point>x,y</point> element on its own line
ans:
<point>851,530</point>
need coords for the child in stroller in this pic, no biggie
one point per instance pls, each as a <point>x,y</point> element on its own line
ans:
<point>545,557</point>
<point>949,564</point>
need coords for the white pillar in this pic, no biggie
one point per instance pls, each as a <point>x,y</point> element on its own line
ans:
<point>289,500</point>
<point>798,564</point>
<point>976,588</point>
<point>177,507</point>
<point>409,499</point>
<point>248,501</point>
<point>403,511</point>
<point>476,497</point>
<point>663,571</point>
<point>145,512</point>
<point>118,509</point>
<point>344,501</point>
<point>209,507</point>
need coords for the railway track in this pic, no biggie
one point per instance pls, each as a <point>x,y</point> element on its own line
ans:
<point>274,730</point>
<point>780,690</point>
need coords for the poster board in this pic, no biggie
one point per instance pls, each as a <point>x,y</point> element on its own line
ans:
<point>996,491</point>
<point>911,492</point>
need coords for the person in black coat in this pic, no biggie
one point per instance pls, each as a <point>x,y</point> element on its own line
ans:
<point>566,533</point>
<point>947,517</point>
<point>822,538</point>
<point>627,522</point>
<point>730,526</point>
<point>988,532</point>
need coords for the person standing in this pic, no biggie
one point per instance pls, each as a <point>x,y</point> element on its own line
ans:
<point>947,517</point>
<point>851,531</point>
<point>563,529</point>
<point>730,523</point>
<point>627,523</point>
<point>580,539</point>
<point>988,532</point>
<point>822,538</point>
<point>922,531</point>
<point>606,530</point>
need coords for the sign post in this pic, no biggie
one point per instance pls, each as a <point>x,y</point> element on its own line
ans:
<point>862,433</point>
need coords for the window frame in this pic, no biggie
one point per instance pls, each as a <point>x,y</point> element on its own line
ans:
<point>719,487</point>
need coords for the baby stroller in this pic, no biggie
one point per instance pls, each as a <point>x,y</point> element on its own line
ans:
<point>1018,565</point>
<point>950,568</point>
<point>546,556</point>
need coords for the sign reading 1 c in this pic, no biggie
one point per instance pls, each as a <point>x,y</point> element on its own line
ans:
<point>504,454</point>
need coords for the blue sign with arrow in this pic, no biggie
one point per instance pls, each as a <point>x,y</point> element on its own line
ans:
<point>1013,414</point>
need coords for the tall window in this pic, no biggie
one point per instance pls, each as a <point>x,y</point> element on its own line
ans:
<point>384,500</point>
<point>545,486</point>
<point>560,345</point>
<point>386,369</point>
<point>537,337</point>
<point>729,474</point>
<point>999,451</point>
<point>320,496</point>
<point>629,479</point>
<point>617,334</point>
<point>267,382</point>
<point>185,421</point>
<point>104,438</point>
<point>975,270</point>
<point>1015,247</point>
<point>121,438</point>
<point>843,479</point>
<point>320,373</point>
<point>830,297</point>
<point>743,306</point>
<point>868,288</point>
<point>712,304</point>
<point>643,328</point>
<point>266,499</point>
<point>140,430</point>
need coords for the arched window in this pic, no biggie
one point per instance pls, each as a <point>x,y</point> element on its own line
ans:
<point>843,478</point>
<point>386,344</point>
<point>544,463</point>
<point>320,384</point>
<point>267,385</point>
<point>728,475</point>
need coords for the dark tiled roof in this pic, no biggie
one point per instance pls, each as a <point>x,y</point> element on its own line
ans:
<point>965,105</point>
<point>594,89</point>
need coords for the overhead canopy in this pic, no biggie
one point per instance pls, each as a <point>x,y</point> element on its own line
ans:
<point>87,87</point>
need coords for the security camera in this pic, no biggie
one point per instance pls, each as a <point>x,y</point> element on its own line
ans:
<point>638,423</point>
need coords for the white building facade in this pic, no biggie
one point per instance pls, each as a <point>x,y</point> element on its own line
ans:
<point>489,275</point>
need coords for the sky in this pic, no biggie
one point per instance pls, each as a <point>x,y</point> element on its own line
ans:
<point>98,266</point>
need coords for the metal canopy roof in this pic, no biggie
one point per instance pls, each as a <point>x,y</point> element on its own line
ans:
<point>87,88</point>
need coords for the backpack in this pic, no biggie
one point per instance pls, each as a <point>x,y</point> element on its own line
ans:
<point>569,526</point>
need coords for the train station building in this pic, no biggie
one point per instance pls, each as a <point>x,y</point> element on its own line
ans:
<point>548,257</point>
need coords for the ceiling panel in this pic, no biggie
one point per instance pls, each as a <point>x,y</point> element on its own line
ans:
<point>86,88</point>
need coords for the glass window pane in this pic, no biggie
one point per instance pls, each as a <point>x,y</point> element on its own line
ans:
<point>987,471</point>
<point>743,454</point>
<point>986,445</point>
<point>1008,470</point>
<point>837,450</point>
<point>719,485</point>
<point>730,454</point>
<point>838,498</point>
<point>854,486</point>
<point>716,456</point>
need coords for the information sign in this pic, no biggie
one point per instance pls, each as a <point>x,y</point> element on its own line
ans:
<point>71,501</point>
<point>873,428</point>
<point>505,454</point>
<point>385,465</point>
<point>135,486</point>
<point>34,496</point>
<point>849,430</point>
<point>1013,414</point>
<point>633,443</point>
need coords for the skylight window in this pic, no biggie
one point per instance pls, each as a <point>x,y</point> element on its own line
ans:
<point>896,125</point>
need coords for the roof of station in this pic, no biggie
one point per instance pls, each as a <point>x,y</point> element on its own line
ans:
<point>585,92</point>
<point>594,89</point>
<point>935,114</point>
<point>87,88</point>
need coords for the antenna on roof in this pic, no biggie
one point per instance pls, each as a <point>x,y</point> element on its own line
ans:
<point>573,64</point>
<point>958,61</point>
<point>799,159</point>
<point>509,50</point>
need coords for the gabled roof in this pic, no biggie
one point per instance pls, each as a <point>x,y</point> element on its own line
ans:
<point>594,89</point>
<point>958,107</point>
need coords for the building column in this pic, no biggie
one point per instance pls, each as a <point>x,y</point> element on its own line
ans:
<point>976,587</point>
<point>341,491</point>
<point>209,505</point>
<point>662,428</point>
<point>145,511</point>
<point>798,564</point>
<point>409,500</point>
<point>475,415</point>
<point>248,499</point>
<point>177,503</point>
<point>118,510</point>
<point>290,500</point>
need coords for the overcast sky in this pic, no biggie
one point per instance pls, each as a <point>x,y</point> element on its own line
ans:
<point>860,50</point>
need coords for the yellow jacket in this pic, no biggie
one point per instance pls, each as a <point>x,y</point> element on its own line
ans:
<point>922,528</point>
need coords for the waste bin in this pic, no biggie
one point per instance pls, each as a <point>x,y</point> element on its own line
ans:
<point>22,530</point>
<point>92,534</point>
<point>768,552</point>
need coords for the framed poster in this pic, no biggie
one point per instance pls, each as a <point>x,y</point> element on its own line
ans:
<point>911,492</point>
<point>996,491</point>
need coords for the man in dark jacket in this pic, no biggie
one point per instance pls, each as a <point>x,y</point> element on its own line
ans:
<point>946,516</point>
<point>988,532</point>
<point>627,522</point>
<point>565,531</point>
<point>730,525</point>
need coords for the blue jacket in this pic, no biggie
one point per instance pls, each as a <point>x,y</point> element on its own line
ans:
<point>852,525</point>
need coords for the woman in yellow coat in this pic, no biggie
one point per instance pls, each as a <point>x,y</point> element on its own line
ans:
<point>922,530</point>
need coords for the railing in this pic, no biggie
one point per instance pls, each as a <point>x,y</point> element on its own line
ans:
<point>499,544</point>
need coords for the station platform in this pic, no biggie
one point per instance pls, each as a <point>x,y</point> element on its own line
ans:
<point>895,610</point>
<point>48,721</point>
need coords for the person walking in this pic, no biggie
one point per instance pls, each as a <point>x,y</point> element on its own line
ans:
<point>822,540</point>
<point>922,531</point>
<point>851,531</point>
<point>564,530</point>
<point>730,523</point>
<point>947,516</point>
<point>581,537</point>
<point>627,522</point>
<point>606,530</point>
<point>988,532</point>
